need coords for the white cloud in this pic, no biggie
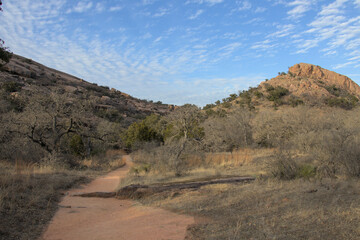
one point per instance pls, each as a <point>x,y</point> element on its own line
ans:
<point>343,65</point>
<point>162,12</point>
<point>196,15</point>
<point>100,7</point>
<point>81,7</point>
<point>300,7</point>
<point>115,8</point>
<point>306,45</point>
<point>357,3</point>
<point>263,45</point>
<point>229,49</point>
<point>332,29</point>
<point>262,9</point>
<point>243,5</point>
<point>284,30</point>
<point>333,8</point>
<point>158,39</point>
<point>209,2</point>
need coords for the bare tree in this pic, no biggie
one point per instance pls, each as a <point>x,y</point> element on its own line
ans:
<point>185,133</point>
<point>229,132</point>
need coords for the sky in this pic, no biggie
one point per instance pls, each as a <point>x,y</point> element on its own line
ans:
<point>184,51</point>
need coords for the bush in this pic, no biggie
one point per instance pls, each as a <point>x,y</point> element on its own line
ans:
<point>284,167</point>
<point>294,102</point>
<point>341,102</point>
<point>76,145</point>
<point>11,86</point>
<point>307,171</point>
<point>333,90</point>
<point>144,131</point>
<point>276,93</point>
<point>258,94</point>
<point>5,55</point>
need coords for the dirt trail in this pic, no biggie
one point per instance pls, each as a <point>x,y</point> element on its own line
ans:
<point>107,218</point>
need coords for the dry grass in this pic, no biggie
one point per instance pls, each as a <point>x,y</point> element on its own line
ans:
<point>29,193</point>
<point>267,209</point>
<point>111,160</point>
<point>245,162</point>
<point>29,196</point>
<point>328,209</point>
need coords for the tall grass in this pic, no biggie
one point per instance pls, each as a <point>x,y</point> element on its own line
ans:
<point>29,192</point>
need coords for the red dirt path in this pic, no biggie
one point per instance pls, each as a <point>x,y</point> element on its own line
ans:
<point>108,218</point>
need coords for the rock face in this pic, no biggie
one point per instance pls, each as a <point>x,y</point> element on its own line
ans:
<point>313,82</point>
<point>329,77</point>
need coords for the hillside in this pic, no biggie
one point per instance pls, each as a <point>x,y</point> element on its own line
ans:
<point>46,110</point>
<point>303,84</point>
<point>31,76</point>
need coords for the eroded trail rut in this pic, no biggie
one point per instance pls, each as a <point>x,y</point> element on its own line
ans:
<point>108,218</point>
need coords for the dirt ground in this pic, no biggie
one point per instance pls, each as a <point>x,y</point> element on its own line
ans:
<point>98,218</point>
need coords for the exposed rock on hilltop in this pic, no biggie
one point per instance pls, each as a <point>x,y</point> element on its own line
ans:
<point>302,84</point>
<point>308,83</point>
<point>328,77</point>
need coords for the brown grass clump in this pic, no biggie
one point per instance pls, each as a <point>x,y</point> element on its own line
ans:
<point>29,196</point>
<point>29,192</point>
<point>327,209</point>
<point>304,207</point>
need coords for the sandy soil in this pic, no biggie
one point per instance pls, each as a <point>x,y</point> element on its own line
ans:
<point>108,218</point>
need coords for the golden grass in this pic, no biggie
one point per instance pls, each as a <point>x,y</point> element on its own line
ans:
<point>266,209</point>
<point>29,193</point>
<point>327,209</point>
<point>113,159</point>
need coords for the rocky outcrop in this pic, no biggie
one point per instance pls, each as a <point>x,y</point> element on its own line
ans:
<point>312,83</point>
<point>306,70</point>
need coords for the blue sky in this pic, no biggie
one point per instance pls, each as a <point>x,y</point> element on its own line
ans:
<point>189,51</point>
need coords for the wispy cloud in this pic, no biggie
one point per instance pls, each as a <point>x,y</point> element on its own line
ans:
<point>263,45</point>
<point>196,15</point>
<point>100,7</point>
<point>334,29</point>
<point>357,3</point>
<point>209,2</point>
<point>162,12</point>
<point>243,5</point>
<point>299,8</point>
<point>333,8</point>
<point>283,30</point>
<point>81,7</point>
<point>260,10</point>
<point>115,8</point>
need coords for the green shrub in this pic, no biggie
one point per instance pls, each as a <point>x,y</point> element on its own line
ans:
<point>144,131</point>
<point>341,102</point>
<point>76,145</point>
<point>306,171</point>
<point>276,93</point>
<point>333,90</point>
<point>208,106</point>
<point>285,167</point>
<point>294,102</point>
<point>258,94</point>
<point>226,105</point>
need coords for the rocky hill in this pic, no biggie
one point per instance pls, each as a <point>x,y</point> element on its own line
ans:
<point>303,84</point>
<point>309,80</point>
<point>28,77</point>
<point>43,110</point>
